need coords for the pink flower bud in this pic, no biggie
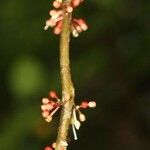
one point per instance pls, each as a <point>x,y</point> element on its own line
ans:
<point>53,94</point>
<point>82,23</point>
<point>52,12</point>
<point>69,9</point>
<point>60,18</point>
<point>48,148</point>
<point>48,118</point>
<point>78,28</point>
<point>92,104</point>
<point>45,113</point>
<point>49,106</point>
<point>76,3</point>
<point>50,23</point>
<point>57,29</point>
<point>43,107</point>
<point>45,100</point>
<point>57,4</point>
<point>84,105</point>
<point>54,145</point>
<point>57,14</point>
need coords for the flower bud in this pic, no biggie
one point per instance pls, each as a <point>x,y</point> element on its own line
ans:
<point>50,23</point>
<point>76,3</point>
<point>45,113</point>
<point>84,105</point>
<point>43,107</point>
<point>82,23</point>
<point>58,28</point>
<point>54,145</point>
<point>57,3</point>
<point>78,28</point>
<point>69,9</point>
<point>49,106</point>
<point>53,94</point>
<point>92,104</point>
<point>48,118</point>
<point>82,117</point>
<point>48,148</point>
<point>45,100</point>
<point>75,33</point>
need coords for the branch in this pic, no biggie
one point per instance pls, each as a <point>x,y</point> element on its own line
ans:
<point>63,23</point>
<point>66,82</point>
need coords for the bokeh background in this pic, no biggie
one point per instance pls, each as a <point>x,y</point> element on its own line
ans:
<point>110,64</point>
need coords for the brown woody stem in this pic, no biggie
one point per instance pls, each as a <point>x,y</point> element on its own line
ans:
<point>66,82</point>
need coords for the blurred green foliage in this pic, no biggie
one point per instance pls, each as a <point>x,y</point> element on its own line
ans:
<point>110,63</point>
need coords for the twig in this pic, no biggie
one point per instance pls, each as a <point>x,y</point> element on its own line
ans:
<point>66,82</point>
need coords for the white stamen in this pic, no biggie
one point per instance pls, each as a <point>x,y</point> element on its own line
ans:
<point>74,132</point>
<point>54,111</point>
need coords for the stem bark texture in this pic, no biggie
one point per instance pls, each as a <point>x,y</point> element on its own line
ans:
<point>66,82</point>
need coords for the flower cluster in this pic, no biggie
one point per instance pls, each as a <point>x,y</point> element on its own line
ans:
<point>74,121</point>
<point>57,15</point>
<point>49,107</point>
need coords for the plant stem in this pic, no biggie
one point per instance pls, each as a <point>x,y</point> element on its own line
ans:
<point>66,82</point>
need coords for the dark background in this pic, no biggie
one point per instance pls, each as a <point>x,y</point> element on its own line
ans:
<point>110,64</point>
